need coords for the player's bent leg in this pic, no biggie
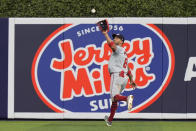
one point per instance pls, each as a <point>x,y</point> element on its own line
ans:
<point>119,97</point>
<point>129,100</point>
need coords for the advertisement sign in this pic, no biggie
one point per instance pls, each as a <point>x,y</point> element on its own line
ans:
<point>60,67</point>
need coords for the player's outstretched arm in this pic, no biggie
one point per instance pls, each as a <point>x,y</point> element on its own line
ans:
<point>109,41</point>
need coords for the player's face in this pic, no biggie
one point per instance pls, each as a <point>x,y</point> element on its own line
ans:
<point>117,41</point>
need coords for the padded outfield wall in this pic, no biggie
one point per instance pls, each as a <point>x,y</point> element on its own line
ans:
<point>56,68</point>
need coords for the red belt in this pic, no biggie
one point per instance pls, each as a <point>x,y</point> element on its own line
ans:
<point>121,74</point>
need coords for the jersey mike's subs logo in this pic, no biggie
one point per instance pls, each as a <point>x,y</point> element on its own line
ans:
<point>70,68</point>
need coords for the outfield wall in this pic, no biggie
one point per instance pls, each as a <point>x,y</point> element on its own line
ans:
<point>56,68</point>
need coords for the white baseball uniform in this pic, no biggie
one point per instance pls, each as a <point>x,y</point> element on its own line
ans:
<point>118,69</point>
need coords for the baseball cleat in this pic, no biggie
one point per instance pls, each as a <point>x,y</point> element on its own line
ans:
<point>108,123</point>
<point>130,102</point>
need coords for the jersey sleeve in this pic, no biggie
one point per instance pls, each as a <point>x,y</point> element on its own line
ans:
<point>118,48</point>
<point>111,44</point>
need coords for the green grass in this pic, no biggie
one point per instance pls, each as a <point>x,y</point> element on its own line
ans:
<point>97,126</point>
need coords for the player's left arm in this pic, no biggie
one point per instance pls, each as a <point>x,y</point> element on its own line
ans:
<point>109,41</point>
<point>129,74</point>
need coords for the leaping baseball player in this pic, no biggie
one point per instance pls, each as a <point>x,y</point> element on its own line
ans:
<point>119,72</point>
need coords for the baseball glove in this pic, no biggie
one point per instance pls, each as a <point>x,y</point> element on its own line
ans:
<point>103,25</point>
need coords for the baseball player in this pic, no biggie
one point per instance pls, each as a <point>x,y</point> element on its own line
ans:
<point>119,72</point>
